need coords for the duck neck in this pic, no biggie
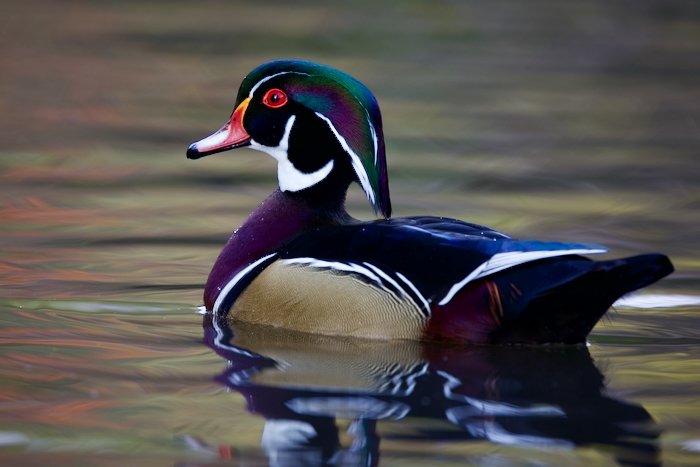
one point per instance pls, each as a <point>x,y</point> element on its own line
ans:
<point>280,218</point>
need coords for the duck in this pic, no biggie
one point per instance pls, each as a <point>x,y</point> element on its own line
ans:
<point>301,262</point>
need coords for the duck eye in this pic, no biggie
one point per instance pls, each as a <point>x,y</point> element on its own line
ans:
<point>274,98</point>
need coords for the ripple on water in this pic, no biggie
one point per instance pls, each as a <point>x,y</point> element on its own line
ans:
<point>657,301</point>
<point>645,319</point>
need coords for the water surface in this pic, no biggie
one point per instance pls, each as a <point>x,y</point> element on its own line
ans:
<point>575,122</point>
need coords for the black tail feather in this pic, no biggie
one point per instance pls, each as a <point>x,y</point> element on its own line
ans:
<point>568,311</point>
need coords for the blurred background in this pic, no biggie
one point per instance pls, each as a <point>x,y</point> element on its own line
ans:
<point>573,121</point>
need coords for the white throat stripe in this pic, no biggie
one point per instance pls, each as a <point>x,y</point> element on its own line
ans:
<point>289,177</point>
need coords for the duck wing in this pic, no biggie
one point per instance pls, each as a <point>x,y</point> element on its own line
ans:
<point>431,257</point>
<point>453,281</point>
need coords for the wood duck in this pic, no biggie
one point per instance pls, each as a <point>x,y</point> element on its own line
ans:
<point>301,262</point>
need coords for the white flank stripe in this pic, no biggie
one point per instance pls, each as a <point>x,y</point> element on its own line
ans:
<point>501,261</point>
<point>371,271</point>
<point>356,163</point>
<point>387,278</point>
<point>289,177</point>
<point>236,279</point>
<point>415,290</point>
<point>345,267</point>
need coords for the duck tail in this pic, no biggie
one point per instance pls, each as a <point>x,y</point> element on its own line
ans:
<point>569,295</point>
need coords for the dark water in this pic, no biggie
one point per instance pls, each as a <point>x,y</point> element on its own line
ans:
<point>543,119</point>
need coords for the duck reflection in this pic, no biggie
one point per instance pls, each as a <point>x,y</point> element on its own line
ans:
<point>305,384</point>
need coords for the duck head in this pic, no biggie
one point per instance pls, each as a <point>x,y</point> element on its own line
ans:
<point>322,126</point>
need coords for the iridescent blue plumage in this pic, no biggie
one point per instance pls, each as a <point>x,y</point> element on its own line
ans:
<point>434,253</point>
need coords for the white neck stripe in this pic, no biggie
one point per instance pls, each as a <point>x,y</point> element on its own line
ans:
<point>356,163</point>
<point>374,140</point>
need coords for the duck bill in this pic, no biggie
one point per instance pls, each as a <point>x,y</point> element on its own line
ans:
<point>231,135</point>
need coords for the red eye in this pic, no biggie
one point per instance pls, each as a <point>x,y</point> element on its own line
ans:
<point>274,98</point>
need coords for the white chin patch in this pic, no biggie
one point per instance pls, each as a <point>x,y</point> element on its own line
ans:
<point>290,178</point>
